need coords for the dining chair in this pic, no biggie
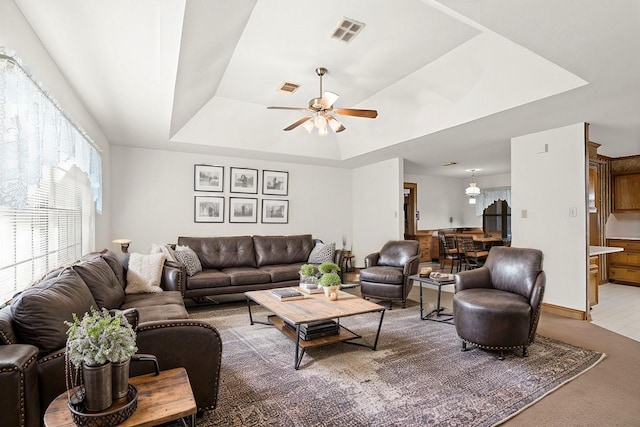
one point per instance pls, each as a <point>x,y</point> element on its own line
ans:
<point>451,251</point>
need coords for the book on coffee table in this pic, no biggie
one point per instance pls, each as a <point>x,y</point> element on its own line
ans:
<point>287,294</point>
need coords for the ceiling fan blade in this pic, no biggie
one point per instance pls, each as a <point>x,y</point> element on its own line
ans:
<point>335,124</point>
<point>298,123</point>
<point>328,99</point>
<point>369,114</point>
<point>288,108</point>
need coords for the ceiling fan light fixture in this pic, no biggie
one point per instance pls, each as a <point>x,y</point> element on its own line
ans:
<point>322,131</point>
<point>320,121</point>
<point>335,124</point>
<point>308,125</point>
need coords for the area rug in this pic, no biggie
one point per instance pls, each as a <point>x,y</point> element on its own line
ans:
<point>417,377</point>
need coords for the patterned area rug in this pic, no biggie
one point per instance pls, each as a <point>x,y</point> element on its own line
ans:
<point>418,376</point>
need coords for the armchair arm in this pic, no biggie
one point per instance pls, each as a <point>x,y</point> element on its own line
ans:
<point>20,403</point>
<point>192,344</point>
<point>478,278</point>
<point>371,259</point>
<point>411,267</point>
<point>536,303</point>
<point>174,277</point>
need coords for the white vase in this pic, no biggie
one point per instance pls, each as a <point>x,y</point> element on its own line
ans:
<point>328,290</point>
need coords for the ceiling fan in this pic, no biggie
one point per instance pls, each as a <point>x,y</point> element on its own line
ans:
<point>322,111</point>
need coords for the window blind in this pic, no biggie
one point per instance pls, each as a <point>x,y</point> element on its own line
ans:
<point>48,233</point>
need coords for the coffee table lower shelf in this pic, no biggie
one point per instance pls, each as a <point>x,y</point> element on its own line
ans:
<point>344,334</point>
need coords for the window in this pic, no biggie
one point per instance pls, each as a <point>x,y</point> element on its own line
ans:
<point>50,182</point>
<point>496,219</point>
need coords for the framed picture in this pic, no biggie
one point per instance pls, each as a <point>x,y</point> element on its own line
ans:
<point>275,182</point>
<point>275,211</point>
<point>209,209</point>
<point>243,210</point>
<point>208,178</point>
<point>244,180</point>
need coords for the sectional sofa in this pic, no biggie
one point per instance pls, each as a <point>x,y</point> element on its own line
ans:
<point>33,334</point>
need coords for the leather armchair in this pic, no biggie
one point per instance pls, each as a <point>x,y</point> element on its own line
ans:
<point>386,273</point>
<point>497,306</point>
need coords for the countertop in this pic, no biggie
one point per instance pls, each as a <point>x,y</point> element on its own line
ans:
<point>601,250</point>
<point>624,238</point>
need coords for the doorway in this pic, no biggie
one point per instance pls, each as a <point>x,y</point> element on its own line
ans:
<point>410,206</point>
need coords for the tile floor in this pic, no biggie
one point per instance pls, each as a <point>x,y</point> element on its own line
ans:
<point>618,309</point>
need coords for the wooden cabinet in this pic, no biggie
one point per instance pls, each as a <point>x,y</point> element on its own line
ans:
<point>624,267</point>
<point>626,191</point>
<point>424,237</point>
<point>593,281</point>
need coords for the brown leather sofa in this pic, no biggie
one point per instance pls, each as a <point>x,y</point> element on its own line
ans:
<point>237,264</point>
<point>386,273</point>
<point>33,335</point>
<point>497,306</point>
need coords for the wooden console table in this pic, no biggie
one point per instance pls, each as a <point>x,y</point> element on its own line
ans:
<point>161,398</point>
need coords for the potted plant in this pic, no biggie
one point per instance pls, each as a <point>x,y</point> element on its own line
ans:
<point>330,278</point>
<point>95,343</point>
<point>308,274</point>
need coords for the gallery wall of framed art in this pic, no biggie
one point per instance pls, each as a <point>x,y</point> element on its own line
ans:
<point>242,181</point>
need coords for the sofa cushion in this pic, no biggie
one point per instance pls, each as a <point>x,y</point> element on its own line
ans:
<point>144,273</point>
<point>247,276</point>
<point>322,252</point>
<point>116,266</point>
<point>390,275</point>
<point>189,259</point>
<point>222,252</point>
<point>284,272</point>
<point>208,279</point>
<point>167,305</point>
<point>102,282</point>
<point>40,311</point>
<point>271,250</point>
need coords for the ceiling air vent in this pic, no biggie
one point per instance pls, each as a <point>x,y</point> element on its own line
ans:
<point>288,87</point>
<point>347,29</point>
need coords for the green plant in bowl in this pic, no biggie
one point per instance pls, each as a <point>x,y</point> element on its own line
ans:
<point>308,270</point>
<point>328,267</point>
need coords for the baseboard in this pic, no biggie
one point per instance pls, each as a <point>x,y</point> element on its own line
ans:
<point>571,313</point>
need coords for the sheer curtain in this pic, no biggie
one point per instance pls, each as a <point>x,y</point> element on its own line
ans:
<point>50,181</point>
<point>36,133</point>
<point>487,197</point>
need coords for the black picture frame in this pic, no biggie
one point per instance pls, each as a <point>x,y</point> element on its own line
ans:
<point>208,178</point>
<point>208,209</point>
<point>243,180</point>
<point>275,183</point>
<point>243,210</point>
<point>275,211</point>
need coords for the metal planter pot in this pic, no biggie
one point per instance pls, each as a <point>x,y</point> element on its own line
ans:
<point>97,386</point>
<point>120,379</point>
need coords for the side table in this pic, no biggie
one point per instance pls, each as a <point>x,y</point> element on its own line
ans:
<point>435,315</point>
<point>161,398</point>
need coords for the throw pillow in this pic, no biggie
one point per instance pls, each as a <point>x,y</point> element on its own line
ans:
<point>144,274</point>
<point>40,311</point>
<point>164,249</point>
<point>189,259</point>
<point>322,253</point>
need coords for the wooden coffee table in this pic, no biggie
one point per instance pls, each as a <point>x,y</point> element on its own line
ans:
<point>312,308</point>
<point>161,398</point>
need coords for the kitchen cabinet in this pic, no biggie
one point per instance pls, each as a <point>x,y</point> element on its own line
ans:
<point>593,280</point>
<point>424,237</point>
<point>624,267</point>
<point>626,191</point>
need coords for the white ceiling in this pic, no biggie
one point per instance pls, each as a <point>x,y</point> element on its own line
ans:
<point>452,80</point>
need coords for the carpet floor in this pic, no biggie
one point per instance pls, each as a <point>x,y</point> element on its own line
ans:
<point>417,376</point>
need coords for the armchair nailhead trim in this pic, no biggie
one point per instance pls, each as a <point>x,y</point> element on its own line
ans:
<point>488,347</point>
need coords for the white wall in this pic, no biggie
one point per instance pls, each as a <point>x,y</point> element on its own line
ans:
<point>153,198</point>
<point>16,34</point>
<point>546,186</point>
<point>377,207</point>
<point>441,199</point>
